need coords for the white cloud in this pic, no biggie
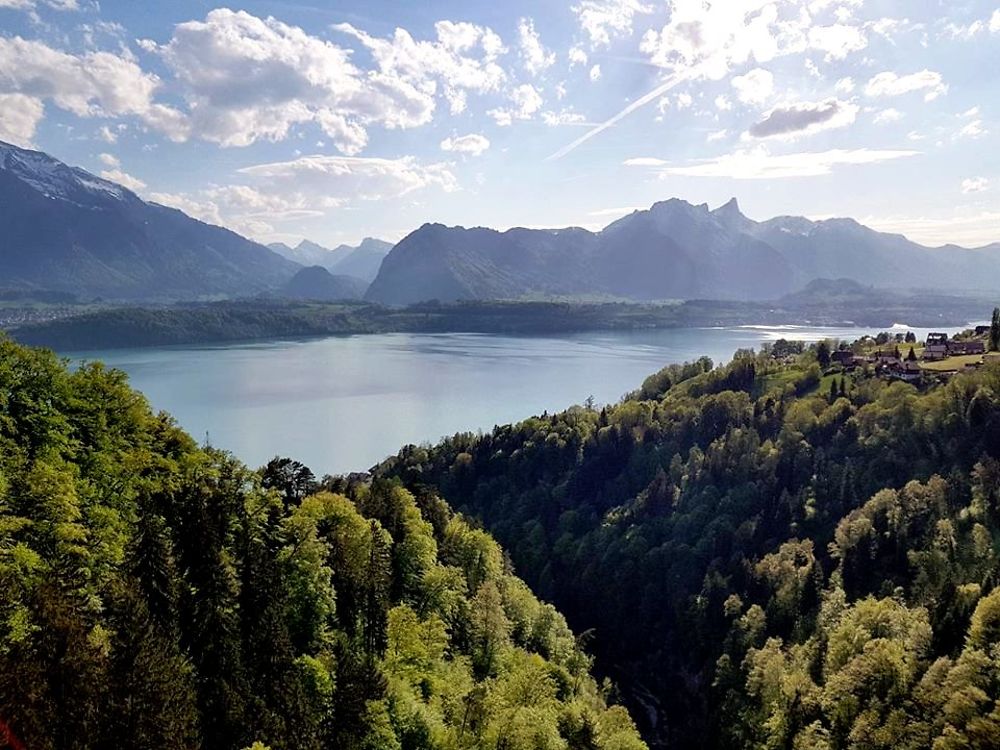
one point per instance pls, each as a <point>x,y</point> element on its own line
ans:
<point>19,116</point>
<point>32,4</point>
<point>346,177</point>
<point>703,40</point>
<point>760,164</point>
<point>790,121</point>
<point>109,160</point>
<point>684,100</point>
<point>975,185</point>
<point>845,86</point>
<point>707,40</point>
<point>534,56</point>
<point>107,135</point>
<point>94,84</point>
<point>248,79</point>
<point>203,210</point>
<point>818,6</point>
<point>595,73</point>
<point>472,144</point>
<point>123,178</point>
<point>462,61</point>
<point>576,57</point>
<point>890,28</point>
<point>304,188</point>
<point>837,41</point>
<point>755,87</point>
<point>887,116</point>
<point>603,19</point>
<point>973,129</point>
<point>563,117</point>
<point>963,227</point>
<point>722,103</point>
<point>889,83</point>
<point>995,22</point>
<point>241,208</point>
<point>526,100</point>
<point>718,135</point>
<point>958,31</point>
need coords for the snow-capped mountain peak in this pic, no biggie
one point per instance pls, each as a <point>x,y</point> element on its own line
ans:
<point>54,179</point>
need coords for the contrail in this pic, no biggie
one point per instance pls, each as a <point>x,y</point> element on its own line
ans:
<point>640,102</point>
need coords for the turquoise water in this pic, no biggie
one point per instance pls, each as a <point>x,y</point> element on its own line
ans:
<point>344,403</point>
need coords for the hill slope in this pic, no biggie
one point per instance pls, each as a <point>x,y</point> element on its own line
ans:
<point>764,560</point>
<point>315,282</point>
<point>67,230</point>
<point>157,594</point>
<point>673,250</point>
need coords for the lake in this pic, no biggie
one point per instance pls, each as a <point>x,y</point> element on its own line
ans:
<point>342,404</point>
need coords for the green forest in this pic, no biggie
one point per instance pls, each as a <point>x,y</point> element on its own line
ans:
<point>757,555</point>
<point>763,556</point>
<point>823,302</point>
<point>159,594</point>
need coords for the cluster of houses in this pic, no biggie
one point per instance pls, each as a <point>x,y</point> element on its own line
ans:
<point>939,346</point>
<point>901,361</point>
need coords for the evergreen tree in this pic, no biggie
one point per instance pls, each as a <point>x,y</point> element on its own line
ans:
<point>154,593</point>
<point>823,354</point>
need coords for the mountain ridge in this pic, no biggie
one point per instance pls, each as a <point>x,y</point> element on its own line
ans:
<point>674,249</point>
<point>71,231</point>
<point>361,261</point>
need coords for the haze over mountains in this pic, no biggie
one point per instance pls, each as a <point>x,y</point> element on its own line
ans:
<point>672,250</point>
<point>67,230</point>
<point>360,261</point>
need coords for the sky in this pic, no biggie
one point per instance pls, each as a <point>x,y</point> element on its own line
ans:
<point>340,120</point>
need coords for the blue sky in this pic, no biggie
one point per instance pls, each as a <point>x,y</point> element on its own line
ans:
<point>340,120</point>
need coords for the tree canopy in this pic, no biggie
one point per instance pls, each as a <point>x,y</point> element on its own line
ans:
<point>764,558</point>
<point>154,593</point>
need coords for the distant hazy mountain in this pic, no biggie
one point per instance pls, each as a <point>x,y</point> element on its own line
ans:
<point>672,250</point>
<point>315,282</point>
<point>361,261</point>
<point>308,253</point>
<point>64,229</point>
<point>364,260</point>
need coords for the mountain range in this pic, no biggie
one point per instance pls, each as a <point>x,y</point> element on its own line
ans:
<point>66,230</point>
<point>69,231</point>
<point>360,261</point>
<point>673,250</point>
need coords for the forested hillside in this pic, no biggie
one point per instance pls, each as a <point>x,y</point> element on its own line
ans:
<point>156,594</point>
<point>765,558</point>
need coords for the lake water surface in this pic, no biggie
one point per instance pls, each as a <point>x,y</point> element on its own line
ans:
<point>342,404</point>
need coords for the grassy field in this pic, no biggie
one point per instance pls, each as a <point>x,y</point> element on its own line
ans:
<point>952,363</point>
<point>824,384</point>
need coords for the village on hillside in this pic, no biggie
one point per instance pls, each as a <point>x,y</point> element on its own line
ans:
<point>900,356</point>
<point>897,356</point>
